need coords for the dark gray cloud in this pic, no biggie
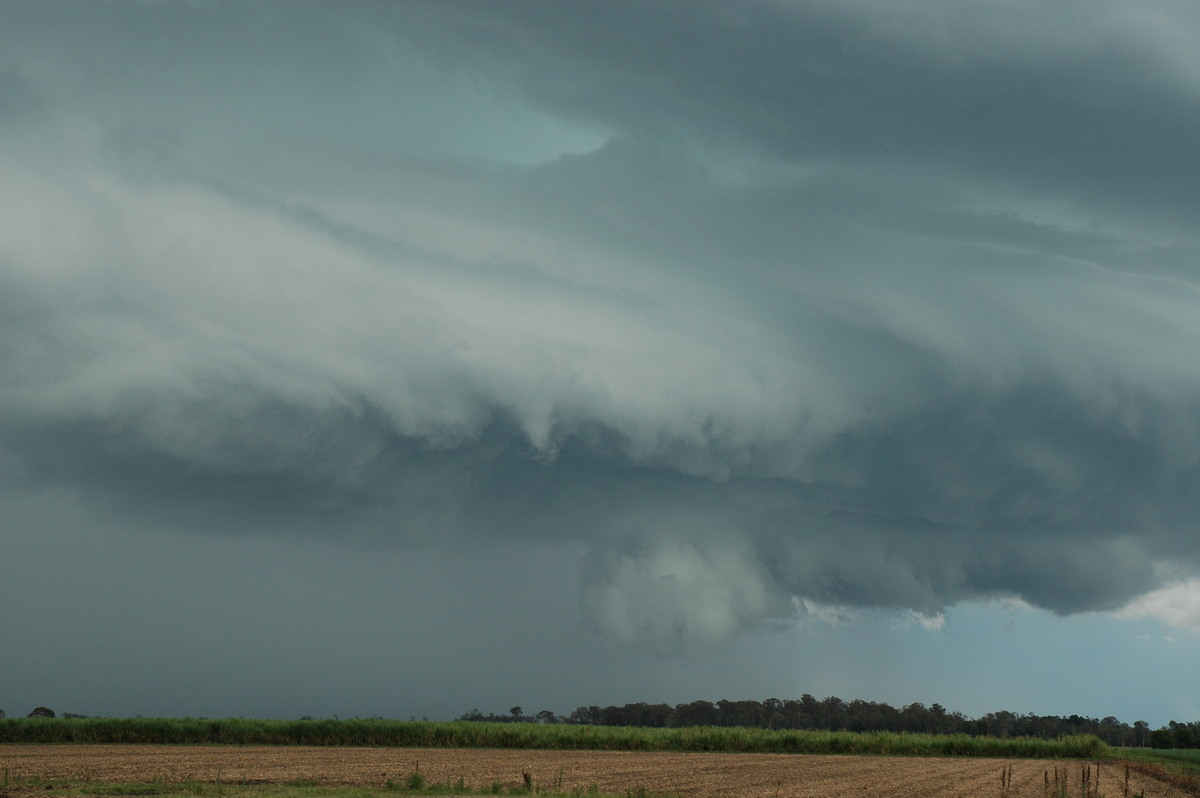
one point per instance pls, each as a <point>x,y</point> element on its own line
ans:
<point>745,306</point>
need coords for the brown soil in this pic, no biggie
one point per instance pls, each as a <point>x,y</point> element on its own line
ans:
<point>700,775</point>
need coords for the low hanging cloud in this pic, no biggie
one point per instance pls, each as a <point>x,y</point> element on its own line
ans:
<point>675,595</point>
<point>853,315</point>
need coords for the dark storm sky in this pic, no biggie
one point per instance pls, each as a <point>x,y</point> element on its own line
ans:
<point>400,358</point>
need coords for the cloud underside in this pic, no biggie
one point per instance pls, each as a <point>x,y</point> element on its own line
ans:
<point>894,325</point>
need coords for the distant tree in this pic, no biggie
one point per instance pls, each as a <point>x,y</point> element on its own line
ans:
<point>2,715</point>
<point>1141,733</point>
<point>942,723</point>
<point>1182,735</point>
<point>739,713</point>
<point>697,713</point>
<point>872,716</point>
<point>773,713</point>
<point>1162,738</point>
<point>1114,732</point>
<point>801,714</point>
<point>998,724</point>
<point>858,715</point>
<point>656,715</point>
<point>614,716</point>
<point>41,712</point>
<point>831,713</point>
<point>586,716</point>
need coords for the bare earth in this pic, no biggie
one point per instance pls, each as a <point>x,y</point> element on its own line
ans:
<point>701,775</point>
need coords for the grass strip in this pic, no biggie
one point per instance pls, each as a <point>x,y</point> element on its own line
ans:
<point>466,734</point>
<point>1177,767</point>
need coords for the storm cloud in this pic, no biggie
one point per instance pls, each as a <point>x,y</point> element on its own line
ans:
<point>755,306</point>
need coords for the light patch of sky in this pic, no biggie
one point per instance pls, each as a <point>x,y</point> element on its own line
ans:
<point>456,114</point>
<point>734,169</point>
<point>1172,45</point>
<point>1177,605</point>
<point>485,126</point>
<point>988,657</point>
<point>1007,655</point>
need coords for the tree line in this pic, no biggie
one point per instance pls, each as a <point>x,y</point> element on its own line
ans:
<point>834,714</point>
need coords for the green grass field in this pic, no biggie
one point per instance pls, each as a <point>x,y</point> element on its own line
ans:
<point>1178,767</point>
<point>1185,756</point>
<point>463,734</point>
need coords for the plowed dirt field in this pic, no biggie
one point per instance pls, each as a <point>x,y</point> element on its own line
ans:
<point>700,775</point>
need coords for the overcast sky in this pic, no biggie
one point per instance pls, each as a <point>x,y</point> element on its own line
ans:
<point>403,358</point>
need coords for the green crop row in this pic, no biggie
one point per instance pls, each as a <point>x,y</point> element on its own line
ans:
<point>463,734</point>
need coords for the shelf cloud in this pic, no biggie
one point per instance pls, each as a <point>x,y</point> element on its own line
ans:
<point>854,304</point>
